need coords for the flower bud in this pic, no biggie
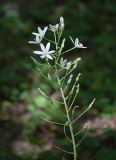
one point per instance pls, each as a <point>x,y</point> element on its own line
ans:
<point>54,28</point>
<point>61,27</point>
<point>61,20</point>
<point>70,79</point>
<point>63,41</point>
<point>77,91</point>
<point>77,78</point>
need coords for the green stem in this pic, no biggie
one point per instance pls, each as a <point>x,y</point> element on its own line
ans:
<point>89,107</point>
<point>68,50</point>
<point>65,104</point>
<point>49,40</point>
<point>69,120</point>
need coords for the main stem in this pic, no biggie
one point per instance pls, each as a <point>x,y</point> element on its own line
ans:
<point>69,120</point>
<point>66,107</point>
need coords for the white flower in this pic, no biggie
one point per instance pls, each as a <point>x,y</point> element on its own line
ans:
<point>54,28</point>
<point>41,33</point>
<point>68,65</point>
<point>64,63</point>
<point>45,51</point>
<point>77,44</point>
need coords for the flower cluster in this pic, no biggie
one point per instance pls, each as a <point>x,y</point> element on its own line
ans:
<point>45,49</point>
<point>61,70</point>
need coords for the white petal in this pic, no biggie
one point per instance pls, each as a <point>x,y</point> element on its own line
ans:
<point>32,42</point>
<point>51,27</point>
<point>50,52</point>
<point>76,42</point>
<point>80,45</point>
<point>38,52</point>
<point>48,46</point>
<point>39,30</point>
<point>36,34</point>
<point>48,56</point>
<point>42,47</point>
<point>45,29</point>
<point>43,56</point>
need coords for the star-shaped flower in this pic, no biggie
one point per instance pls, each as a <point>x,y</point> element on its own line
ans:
<point>64,63</point>
<point>45,51</point>
<point>77,44</point>
<point>41,33</point>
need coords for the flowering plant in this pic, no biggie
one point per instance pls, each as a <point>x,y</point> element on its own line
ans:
<point>61,70</point>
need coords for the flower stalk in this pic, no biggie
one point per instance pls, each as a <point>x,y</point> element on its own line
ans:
<point>61,70</point>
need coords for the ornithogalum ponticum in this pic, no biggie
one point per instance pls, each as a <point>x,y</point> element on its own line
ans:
<point>52,53</point>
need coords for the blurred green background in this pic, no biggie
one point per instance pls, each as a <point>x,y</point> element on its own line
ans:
<point>23,135</point>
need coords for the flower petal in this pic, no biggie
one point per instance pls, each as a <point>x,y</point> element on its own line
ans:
<point>76,42</point>
<point>48,46</point>
<point>32,42</point>
<point>40,30</point>
<point>42,47</point>
<point>52,51</point>
<point>38,52</point>
<point>45,29</point>
<point>49,56</point>
<point>36,34</point>
<point>43,56</point>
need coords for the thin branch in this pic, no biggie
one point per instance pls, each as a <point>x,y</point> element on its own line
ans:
<point>64,150</point>
<point>51,121</point>
<point>68,50</point>
<point>73,111</point>
<point>91,104</point>
<point>43,94</point>
<point>81,140</point>
<point>66,134</point>
<point>77,91</point>
<point>79,131</point>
